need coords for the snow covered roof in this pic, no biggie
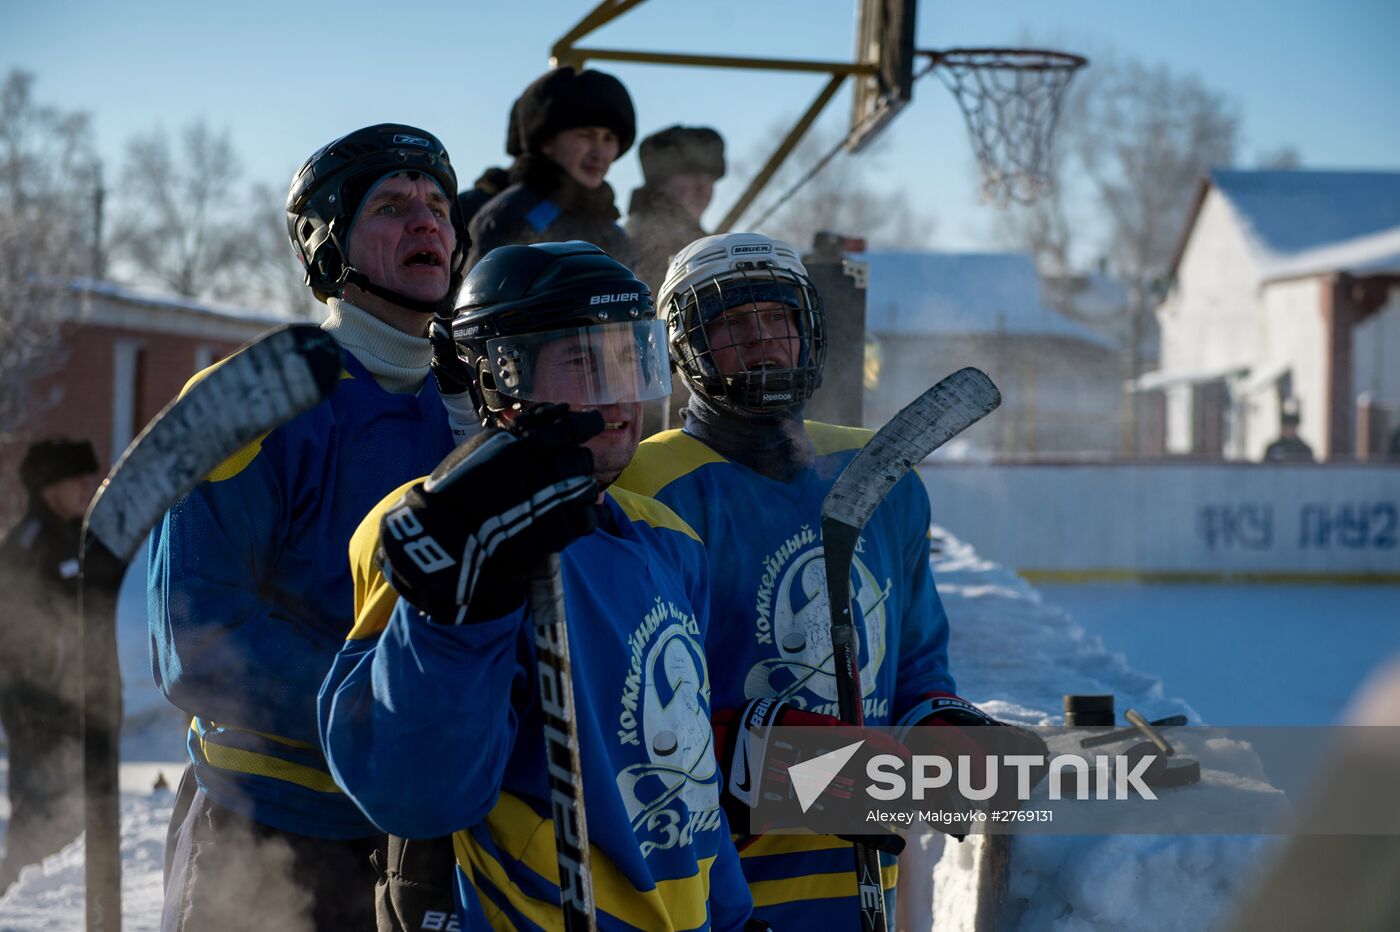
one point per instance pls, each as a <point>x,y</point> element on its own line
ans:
<point>155,299</point>
<point>929,293</point>
<point>1300,223</point>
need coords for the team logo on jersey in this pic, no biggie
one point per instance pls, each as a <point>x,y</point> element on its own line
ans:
<point>793,618</point>
<point>666,711</point>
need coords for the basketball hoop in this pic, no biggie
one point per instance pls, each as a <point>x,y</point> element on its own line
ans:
<point>1011,100</point>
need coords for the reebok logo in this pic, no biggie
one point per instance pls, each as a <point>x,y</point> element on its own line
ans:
<point>811,777</point>
<point>403,139</point>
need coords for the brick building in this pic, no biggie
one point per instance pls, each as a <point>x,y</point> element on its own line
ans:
<point>122,355</point>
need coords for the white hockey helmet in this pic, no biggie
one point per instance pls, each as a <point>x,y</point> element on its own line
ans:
<point>711,299</point>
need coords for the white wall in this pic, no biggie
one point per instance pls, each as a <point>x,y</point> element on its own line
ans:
<point>1376,353</point>
<point>1174,519</point>
<point>1293,334</point>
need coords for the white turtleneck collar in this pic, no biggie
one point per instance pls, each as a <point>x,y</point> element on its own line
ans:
<point>397,360</point>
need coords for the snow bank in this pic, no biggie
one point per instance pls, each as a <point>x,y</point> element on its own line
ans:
<point>1017,656</point>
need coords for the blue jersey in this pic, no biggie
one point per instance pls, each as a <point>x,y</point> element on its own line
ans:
<point>771,624</point>
<point>435,729</point>
<point>250,595</point>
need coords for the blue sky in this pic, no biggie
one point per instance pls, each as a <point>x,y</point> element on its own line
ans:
<point>286,77</point>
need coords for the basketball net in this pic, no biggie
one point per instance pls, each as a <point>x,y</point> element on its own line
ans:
<point>1011,100</point>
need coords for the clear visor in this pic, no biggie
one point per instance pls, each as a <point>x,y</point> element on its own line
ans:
<point>584,366</point>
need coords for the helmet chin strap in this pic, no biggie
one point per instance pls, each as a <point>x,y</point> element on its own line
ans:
<point>353,276</point>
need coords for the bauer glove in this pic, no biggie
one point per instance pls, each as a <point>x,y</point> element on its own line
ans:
<point>459,546</point>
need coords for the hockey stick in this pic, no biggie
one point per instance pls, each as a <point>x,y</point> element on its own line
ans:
<point>925,424</point>
<point>264,384</point>
<point>561,746</point>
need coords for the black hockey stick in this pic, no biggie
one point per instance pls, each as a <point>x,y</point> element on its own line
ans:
<point>561,746</point>
<point>266,383</point>
<point>925,424</point>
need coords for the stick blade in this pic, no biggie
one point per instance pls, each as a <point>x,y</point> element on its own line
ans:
<point>267,383</point>
<point>924,425</point>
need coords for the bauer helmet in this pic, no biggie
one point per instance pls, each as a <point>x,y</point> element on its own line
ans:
<point>558,314</point>
<point>711,301</point>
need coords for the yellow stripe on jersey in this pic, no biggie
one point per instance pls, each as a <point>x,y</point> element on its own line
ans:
<point>374,597</point>
<point>814,887</point>
<point>526,837</point>
<point>765,845</point>
<point>239,760</point>
<point>650,511</point>
<point>664,458</point>
<point>829,438</point>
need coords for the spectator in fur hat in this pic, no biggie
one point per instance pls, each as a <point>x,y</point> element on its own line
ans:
<point>40,689</point>
<point>568,128</point>
<point>680,166</point>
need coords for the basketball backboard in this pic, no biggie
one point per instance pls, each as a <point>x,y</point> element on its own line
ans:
<point>885,39</point>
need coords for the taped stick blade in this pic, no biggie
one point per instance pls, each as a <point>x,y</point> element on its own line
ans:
<point>924,425</point>
<point>265,384</point>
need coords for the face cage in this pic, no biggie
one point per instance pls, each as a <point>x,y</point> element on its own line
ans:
<point>760,390</point>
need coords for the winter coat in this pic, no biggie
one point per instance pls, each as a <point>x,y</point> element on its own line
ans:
<point>492,182</point>
<point>659,228</point>
<point>545,205</point>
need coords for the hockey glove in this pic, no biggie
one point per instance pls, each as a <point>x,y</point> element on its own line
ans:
<point>961,730</point>
<point>454,381</point>
<point>459,546</point>
<point>758,764</point>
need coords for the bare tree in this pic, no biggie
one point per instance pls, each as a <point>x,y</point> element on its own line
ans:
<point>180,221</point>
<point>1147,138</point>
<point>275,279</point>
<point>840,198</point>
<point>48,175</point>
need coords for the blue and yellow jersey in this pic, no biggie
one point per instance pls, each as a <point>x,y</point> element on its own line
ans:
<point>250,595</point>
<point>771,627</point>
<point>435,728</point>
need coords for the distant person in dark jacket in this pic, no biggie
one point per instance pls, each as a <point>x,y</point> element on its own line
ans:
<point>1289,447</point>
<point>569,128</point>
<point>40,663</point>
<point>680,166</point>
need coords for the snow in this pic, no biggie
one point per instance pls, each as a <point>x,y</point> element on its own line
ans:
<point>1313,222</point>
<point>930,293</point>
<point>149,298</point>
<point>1017,655</point>
<point>1012,652</point>
<point>1289,212</point>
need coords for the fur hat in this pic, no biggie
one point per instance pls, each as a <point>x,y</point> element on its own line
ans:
<point>681,150</point>
<point>54,460</point>
<point>563,99</point>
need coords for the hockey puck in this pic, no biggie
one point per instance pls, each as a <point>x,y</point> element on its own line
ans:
<point>664,743</point>
<point>1182,771</point>
<point>793,643</point>
<point>1136,753</point>
<point>1088,711</point>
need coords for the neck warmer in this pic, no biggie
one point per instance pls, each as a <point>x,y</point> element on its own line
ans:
<point>397,360</point>
<point>772,445</point>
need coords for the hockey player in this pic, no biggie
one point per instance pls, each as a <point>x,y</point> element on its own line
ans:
<point>431,716</point>
<point>248,604</point>
<point>747,334</point>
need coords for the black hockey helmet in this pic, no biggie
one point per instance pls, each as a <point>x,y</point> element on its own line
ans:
<point>592,312</point>
<point>326,194</point>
